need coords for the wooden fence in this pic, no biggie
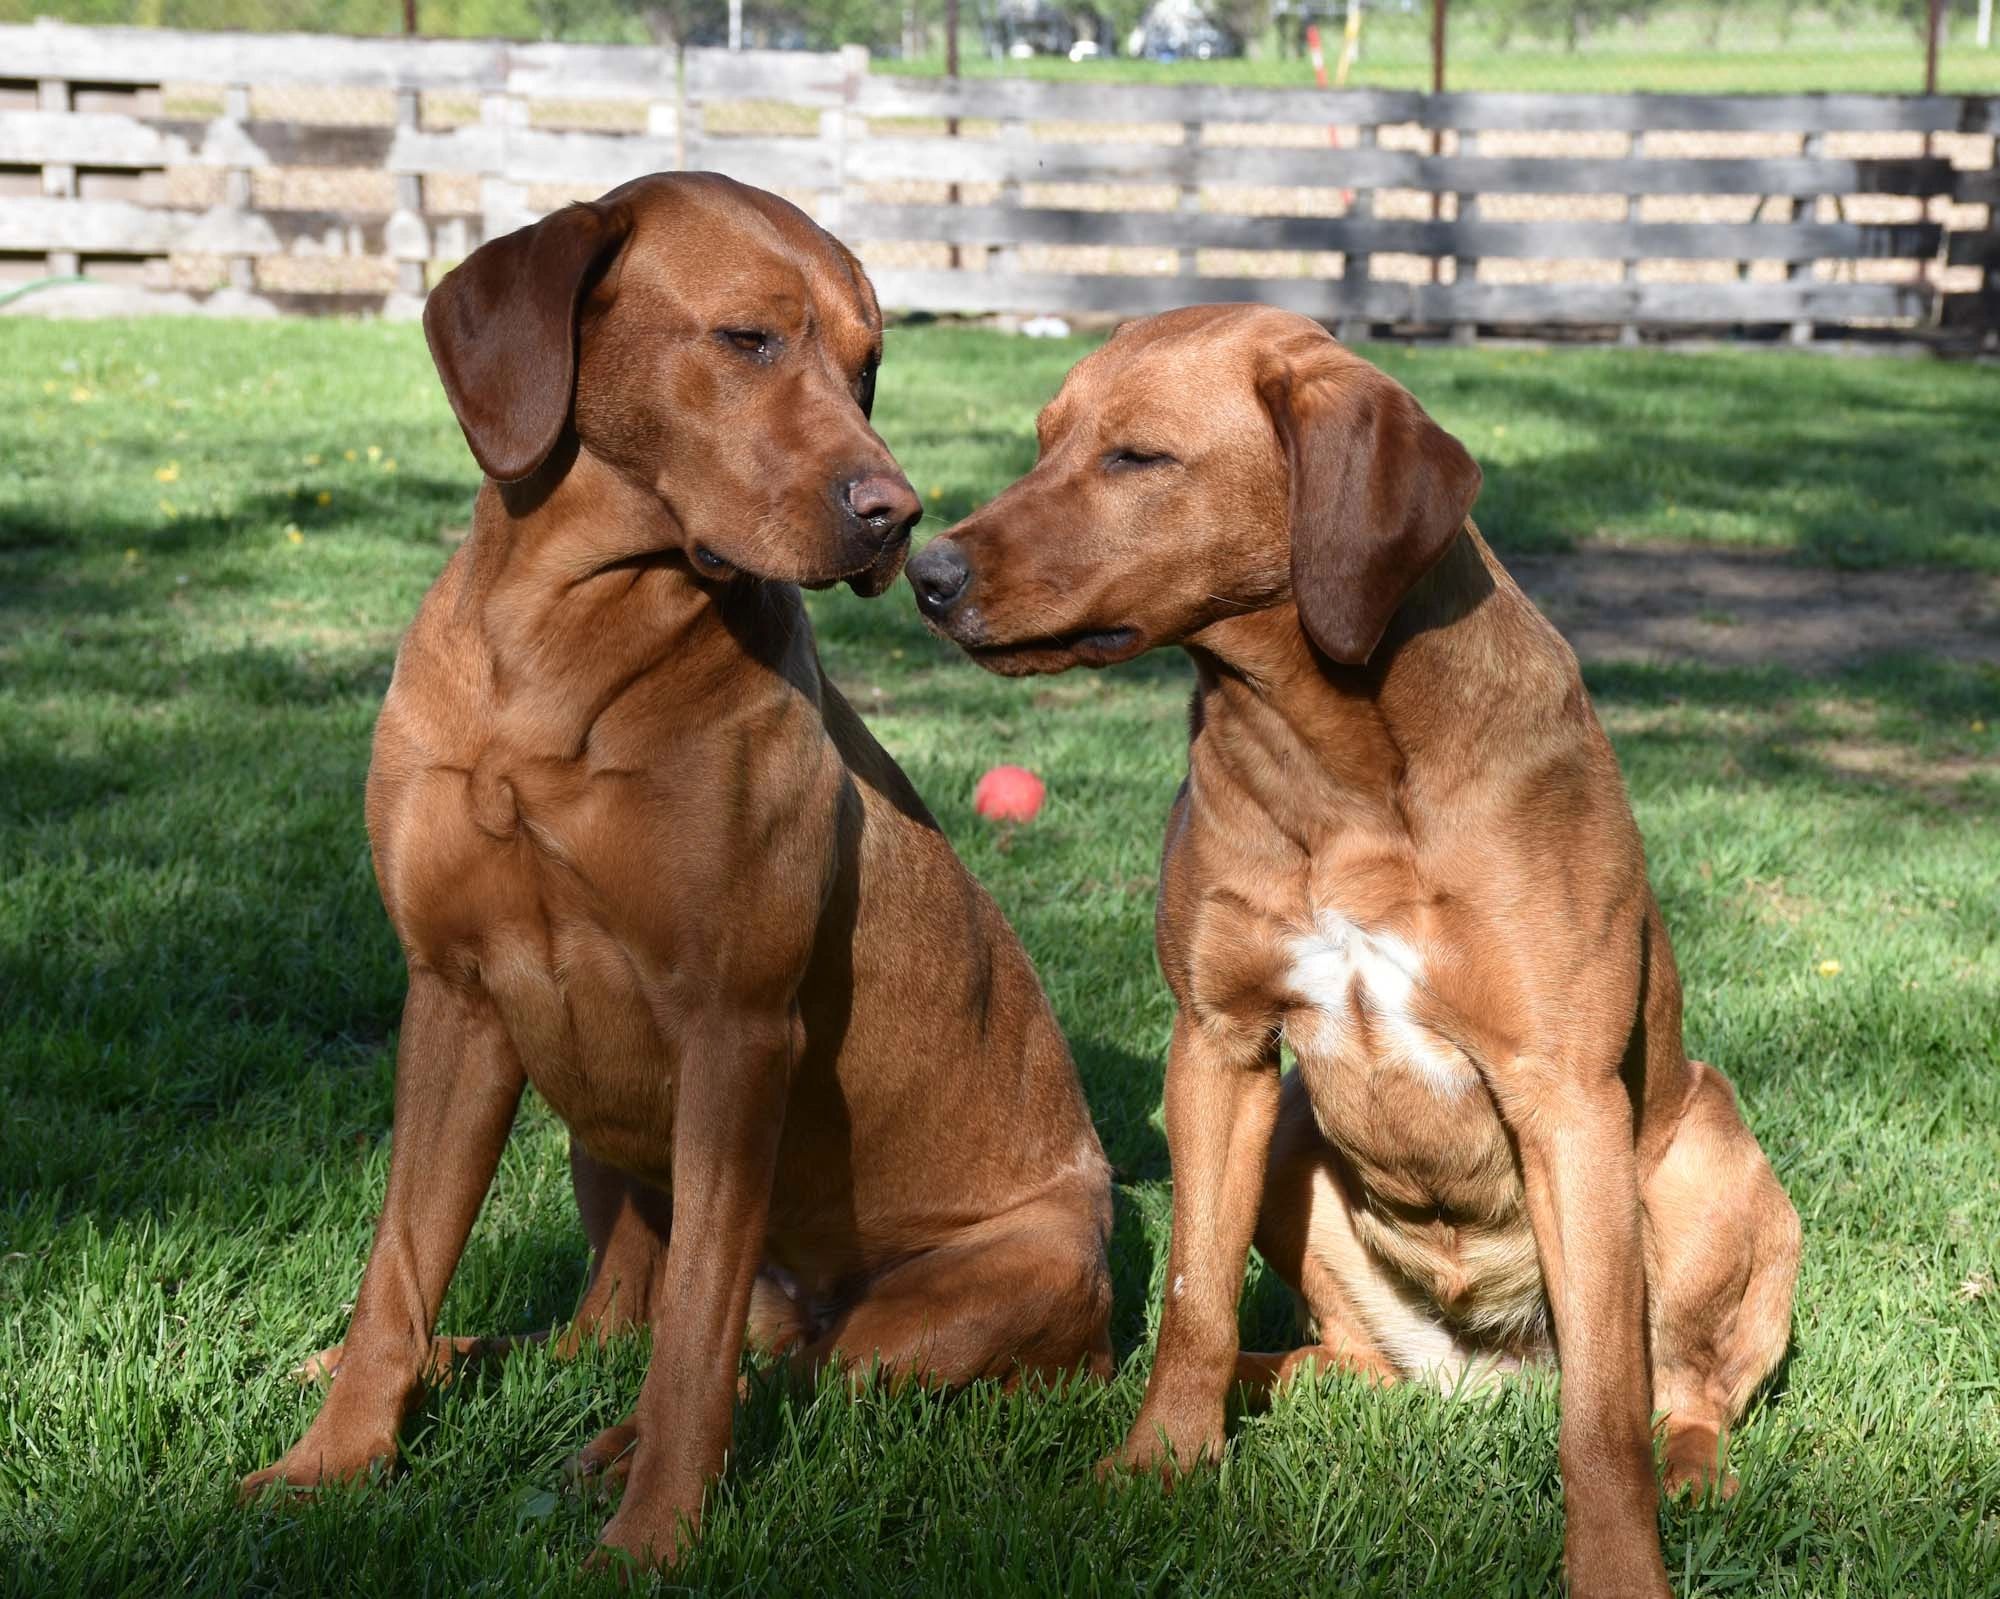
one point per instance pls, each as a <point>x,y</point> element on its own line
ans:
<point>256,172</point>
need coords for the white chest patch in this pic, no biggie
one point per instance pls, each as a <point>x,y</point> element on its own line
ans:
<point>1356,989</point>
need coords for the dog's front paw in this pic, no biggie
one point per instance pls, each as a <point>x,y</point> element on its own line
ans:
<point>1156,1449</point>
<point>308,1465</point>
<point>602,1465</point>
<point>1693,1464</point>
<point>322,1367</point>
<point>1698,1479</point>
<point>633,1541</point>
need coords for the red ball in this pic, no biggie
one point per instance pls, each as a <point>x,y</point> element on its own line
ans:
<point>1008,794</point>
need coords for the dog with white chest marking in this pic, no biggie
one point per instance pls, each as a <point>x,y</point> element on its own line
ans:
<point>1404,847</point>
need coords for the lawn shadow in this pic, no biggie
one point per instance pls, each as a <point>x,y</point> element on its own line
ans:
<point>413,501</point>
<point>1863,476</point>
<point>1898,727</point>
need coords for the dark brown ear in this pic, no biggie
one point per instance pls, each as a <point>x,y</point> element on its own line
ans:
<point>502,331</point>
<point>1378,492</point>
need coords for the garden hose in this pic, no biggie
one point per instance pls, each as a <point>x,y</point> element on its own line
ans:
<point>35,285</point>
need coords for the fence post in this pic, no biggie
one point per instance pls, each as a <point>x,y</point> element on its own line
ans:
<point>1465,269</point>
<point>412,241</point>
<point>1990,299</point>
<point>833,199</point>
<point>955,258</point>
<point>1805,208</point>
<point>58,177</point>
<point>1188,262</point>
<point>1006,257</point>
<point>236,185</point>
<point>680,109</point>
<point>1355,268</point>
<point>501,201</point>
<point>836,128</point>
<point>1628,331</point>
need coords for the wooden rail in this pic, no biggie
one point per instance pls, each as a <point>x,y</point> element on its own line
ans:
<point>175,162</point>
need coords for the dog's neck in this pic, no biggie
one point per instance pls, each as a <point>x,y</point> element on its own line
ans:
<point>1314,743</point>
<point>578,589</point>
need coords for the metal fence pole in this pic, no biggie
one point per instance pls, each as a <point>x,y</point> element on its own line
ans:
<point>956,257</point>
<point>1437,134</point>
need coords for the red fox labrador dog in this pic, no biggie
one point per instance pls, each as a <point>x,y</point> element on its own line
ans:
<point>1403,846</point>
<point>641,854</point>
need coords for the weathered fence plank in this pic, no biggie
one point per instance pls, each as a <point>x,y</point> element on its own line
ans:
<point>1434,304</point>
<point>160,55</point>
<point>120,227</point>
<point>790,164</point>
<point>1000,161</point>
<point>793,76</point>
<point>1543,241</point>
<point>887,96</point>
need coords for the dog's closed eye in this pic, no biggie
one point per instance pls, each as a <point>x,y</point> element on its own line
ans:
<point>751,341</point>
<point>1132,460</point>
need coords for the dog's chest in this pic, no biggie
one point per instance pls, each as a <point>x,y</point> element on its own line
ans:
<point>1392,1092</point>
<point>1357,997</point>
<point>545,901</point>
<point>589,1035</point>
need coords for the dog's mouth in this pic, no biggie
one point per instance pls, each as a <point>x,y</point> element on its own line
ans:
<point>882,568</point>
<point>874,578</point>
<point>1098,646</point>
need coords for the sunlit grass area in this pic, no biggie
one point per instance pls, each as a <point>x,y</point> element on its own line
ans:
<point>1711,50</point>
<point>210,536</point>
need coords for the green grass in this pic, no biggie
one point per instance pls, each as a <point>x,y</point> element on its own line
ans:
<point>1671,52</point>
<point>198,995</point>
<point>1862,48</point>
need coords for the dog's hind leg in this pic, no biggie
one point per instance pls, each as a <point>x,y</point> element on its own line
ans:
<point>1722,1247</point>
<point>1025,1293</point>
<point>449,1357</point>
<point>1306,1236</point>
<point>628,1223</point>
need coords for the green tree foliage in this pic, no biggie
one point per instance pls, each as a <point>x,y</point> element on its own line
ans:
<point>1572,21</point>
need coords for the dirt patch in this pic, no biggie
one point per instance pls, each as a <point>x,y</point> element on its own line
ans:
<point>1665,603</point>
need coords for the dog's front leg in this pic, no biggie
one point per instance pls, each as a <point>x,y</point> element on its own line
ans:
<point>728,1114</point>
<point>458,1083</point>
<point>1580,1168</point>
<point>1222,1101</point>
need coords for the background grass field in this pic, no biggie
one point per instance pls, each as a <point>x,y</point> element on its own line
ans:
<point>209,539</point>
<point>1730,50</point>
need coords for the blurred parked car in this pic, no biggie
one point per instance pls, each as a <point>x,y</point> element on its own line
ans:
<point>1179,30</point>
<point>1019,29</point>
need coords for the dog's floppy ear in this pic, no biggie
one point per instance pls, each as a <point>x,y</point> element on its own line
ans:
<point>502,331</point>
<point>871,314</point>
<point>1378,492</point>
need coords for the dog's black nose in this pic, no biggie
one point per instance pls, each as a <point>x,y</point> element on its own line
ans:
<point>882,504</point>
<point>939,576</point>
